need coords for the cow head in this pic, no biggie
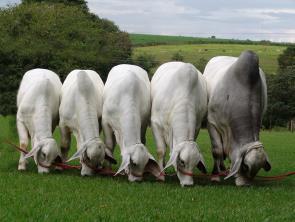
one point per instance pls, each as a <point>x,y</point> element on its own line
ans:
<point>45,152</point>
<point>185,156</point>
<point>136,160</point>
<point>92,155</point>
<point>247,162</point>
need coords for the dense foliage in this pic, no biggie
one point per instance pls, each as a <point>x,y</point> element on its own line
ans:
<point>281,91</point>
<point>146,61</point>
<point>80,3</point>
<point>58,37</point>
<point>177,56</point>
<point>287,59</point>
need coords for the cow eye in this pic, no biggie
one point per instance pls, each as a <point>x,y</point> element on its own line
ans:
<point>181,162</point>
<point>43,155</point>
<point>245,168</point>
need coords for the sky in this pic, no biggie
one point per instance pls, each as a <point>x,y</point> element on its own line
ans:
<point>239,19</point>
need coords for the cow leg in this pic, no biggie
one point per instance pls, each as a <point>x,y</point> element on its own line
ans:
<point>217,152</point>
<point>23,142</point>
<point>99,125</point>
<point>65,142</point>
<point>109,139</point>
<point>160,144</point>
<point>143,133</point>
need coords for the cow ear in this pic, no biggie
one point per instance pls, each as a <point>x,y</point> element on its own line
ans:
<point>172,160</point>
<point>201,164</point>
<point>235,168</point>
<point>153,167</point>
<point>33,151</point>
<point>109,156</point>
<point>78,154</point>
<point>125,163</point>
<point>267,166</point>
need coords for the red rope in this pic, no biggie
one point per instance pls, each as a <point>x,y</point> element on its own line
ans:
<point>62,165</point>
<point>110,172</point>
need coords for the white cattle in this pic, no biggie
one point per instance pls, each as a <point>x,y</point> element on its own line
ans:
<point>80,111</point>
<point>38,100</point>
<point>237,101</point>
<point>179,103</point>
<point>126,113</point>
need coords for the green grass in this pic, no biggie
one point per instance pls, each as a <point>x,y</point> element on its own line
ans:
<point>28,196</point>
<point>193,52</point>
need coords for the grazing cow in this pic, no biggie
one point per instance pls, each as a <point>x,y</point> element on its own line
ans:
<point>237,101</point>
<point>80,111</point>
<point>38,100</point>
<point>126,113</point>
<point>179,103</point>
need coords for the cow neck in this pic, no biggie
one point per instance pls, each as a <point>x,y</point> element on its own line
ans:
<point>41,127</point>
<point>130,126</point>
<point>88,126</point>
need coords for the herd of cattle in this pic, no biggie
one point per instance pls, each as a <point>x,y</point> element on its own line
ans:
<point>231,92</point>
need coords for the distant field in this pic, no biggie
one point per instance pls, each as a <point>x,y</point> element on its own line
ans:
<point>193,52</point>
<point>147,40</point>
<point>66,196</point>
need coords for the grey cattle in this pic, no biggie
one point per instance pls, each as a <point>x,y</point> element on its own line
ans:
<point>237,100</point>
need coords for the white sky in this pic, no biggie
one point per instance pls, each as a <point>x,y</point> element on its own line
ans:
<point>252,19</point>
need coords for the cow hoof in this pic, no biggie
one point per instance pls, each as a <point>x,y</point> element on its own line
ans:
<point>215,179</point>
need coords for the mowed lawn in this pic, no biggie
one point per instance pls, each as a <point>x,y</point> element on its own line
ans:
<point>193,52</point>
<point>66,196</point>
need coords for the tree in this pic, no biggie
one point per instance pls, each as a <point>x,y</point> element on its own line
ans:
<point>146,61</point>
<point>287,58</point>
<point>80,3</point>
<point>281,98</point>
<point>56,37</point>
<point>281,92</point>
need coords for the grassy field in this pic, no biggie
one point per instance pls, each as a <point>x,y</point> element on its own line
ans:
<point>28,196</point>
<point>194,52</point>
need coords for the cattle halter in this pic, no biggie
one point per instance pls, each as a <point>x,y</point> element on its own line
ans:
<point>107,172</point>
<point>187,173</point>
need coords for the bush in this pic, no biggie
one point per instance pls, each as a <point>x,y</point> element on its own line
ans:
<point>146,61</point>
<point>177,56</point>
<point>201,64</point>
<point>281,98</point>
<point>56,37</point>
<point>287,58</point>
